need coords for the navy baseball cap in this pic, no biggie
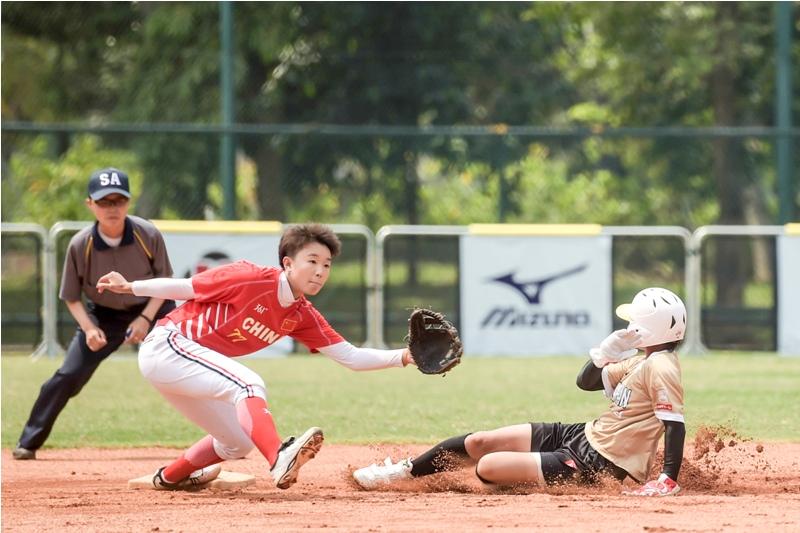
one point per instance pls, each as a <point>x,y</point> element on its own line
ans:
<point>108,181</point>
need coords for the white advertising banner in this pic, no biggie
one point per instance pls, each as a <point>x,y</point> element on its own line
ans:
<point>789,294</point>
<point>534,295</point>
<point>191,253</point>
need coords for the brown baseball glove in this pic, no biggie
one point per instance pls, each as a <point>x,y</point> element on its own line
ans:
<point>433,342</point>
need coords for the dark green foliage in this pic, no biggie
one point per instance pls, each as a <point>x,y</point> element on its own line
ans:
<point>416,64</point>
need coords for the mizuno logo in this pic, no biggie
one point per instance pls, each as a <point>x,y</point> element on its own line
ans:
<point>236,336</point>
<point>532,290</point>
<point>525,318</point>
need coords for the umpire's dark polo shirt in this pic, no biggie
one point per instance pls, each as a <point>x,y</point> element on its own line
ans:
<point>142,254</point>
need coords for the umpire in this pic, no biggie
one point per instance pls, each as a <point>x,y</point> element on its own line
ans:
<point>128,244</point>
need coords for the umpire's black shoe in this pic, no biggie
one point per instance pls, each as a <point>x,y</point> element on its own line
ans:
<point>23,454</point>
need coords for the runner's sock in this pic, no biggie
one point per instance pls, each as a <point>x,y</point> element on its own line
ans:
<point>444,456</point>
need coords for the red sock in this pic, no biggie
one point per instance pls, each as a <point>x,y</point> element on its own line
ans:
<point>257,422</point>
<point>201,454</point>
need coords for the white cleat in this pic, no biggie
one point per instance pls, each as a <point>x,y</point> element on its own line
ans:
<point>293,454</point>
<point>374,476</point>
<point>196,479</point>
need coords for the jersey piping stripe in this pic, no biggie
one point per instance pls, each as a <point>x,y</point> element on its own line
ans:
<point>88,249</point>
<point>90,241</point>
<point>216,318</point>
<point>200,325</point>
<point>186,354</point>
<point>143,245</point>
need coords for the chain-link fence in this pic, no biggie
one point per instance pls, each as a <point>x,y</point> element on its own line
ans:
<point>412,177</point>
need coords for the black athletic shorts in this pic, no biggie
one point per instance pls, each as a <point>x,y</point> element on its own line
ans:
<point>566,453</point>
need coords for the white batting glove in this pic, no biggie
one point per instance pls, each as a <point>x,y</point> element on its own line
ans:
<point>618,346</point>
<point>663,486</point>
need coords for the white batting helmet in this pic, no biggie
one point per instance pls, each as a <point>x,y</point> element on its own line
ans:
<point>657,314</point>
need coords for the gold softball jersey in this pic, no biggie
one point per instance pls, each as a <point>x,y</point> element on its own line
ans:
<point>644,391</point>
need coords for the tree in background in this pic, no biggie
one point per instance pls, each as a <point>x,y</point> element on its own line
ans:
<point>708,64</point>
<point>46,190</point>
<point>417,64</point>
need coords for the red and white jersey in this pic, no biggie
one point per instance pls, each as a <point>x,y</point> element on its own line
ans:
<point>236,311</point>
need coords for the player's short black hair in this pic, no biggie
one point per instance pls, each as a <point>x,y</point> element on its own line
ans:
<point>298,236</point>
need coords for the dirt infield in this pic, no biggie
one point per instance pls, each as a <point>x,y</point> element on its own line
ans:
<point>728,485</point>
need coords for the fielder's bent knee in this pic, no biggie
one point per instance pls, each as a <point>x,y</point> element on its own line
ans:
<point>232,450</point>
<point>257,390</point>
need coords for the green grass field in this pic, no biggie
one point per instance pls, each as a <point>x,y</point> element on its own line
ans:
<point>754,394</point>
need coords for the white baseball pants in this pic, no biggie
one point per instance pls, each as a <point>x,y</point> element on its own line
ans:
<point>202,384</point>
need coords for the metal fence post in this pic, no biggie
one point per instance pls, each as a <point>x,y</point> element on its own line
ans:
<point>699,235</point>
<point>227,140</point>
<point>44,345</point>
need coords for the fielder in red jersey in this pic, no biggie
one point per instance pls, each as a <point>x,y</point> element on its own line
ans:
<point>234,310</point>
